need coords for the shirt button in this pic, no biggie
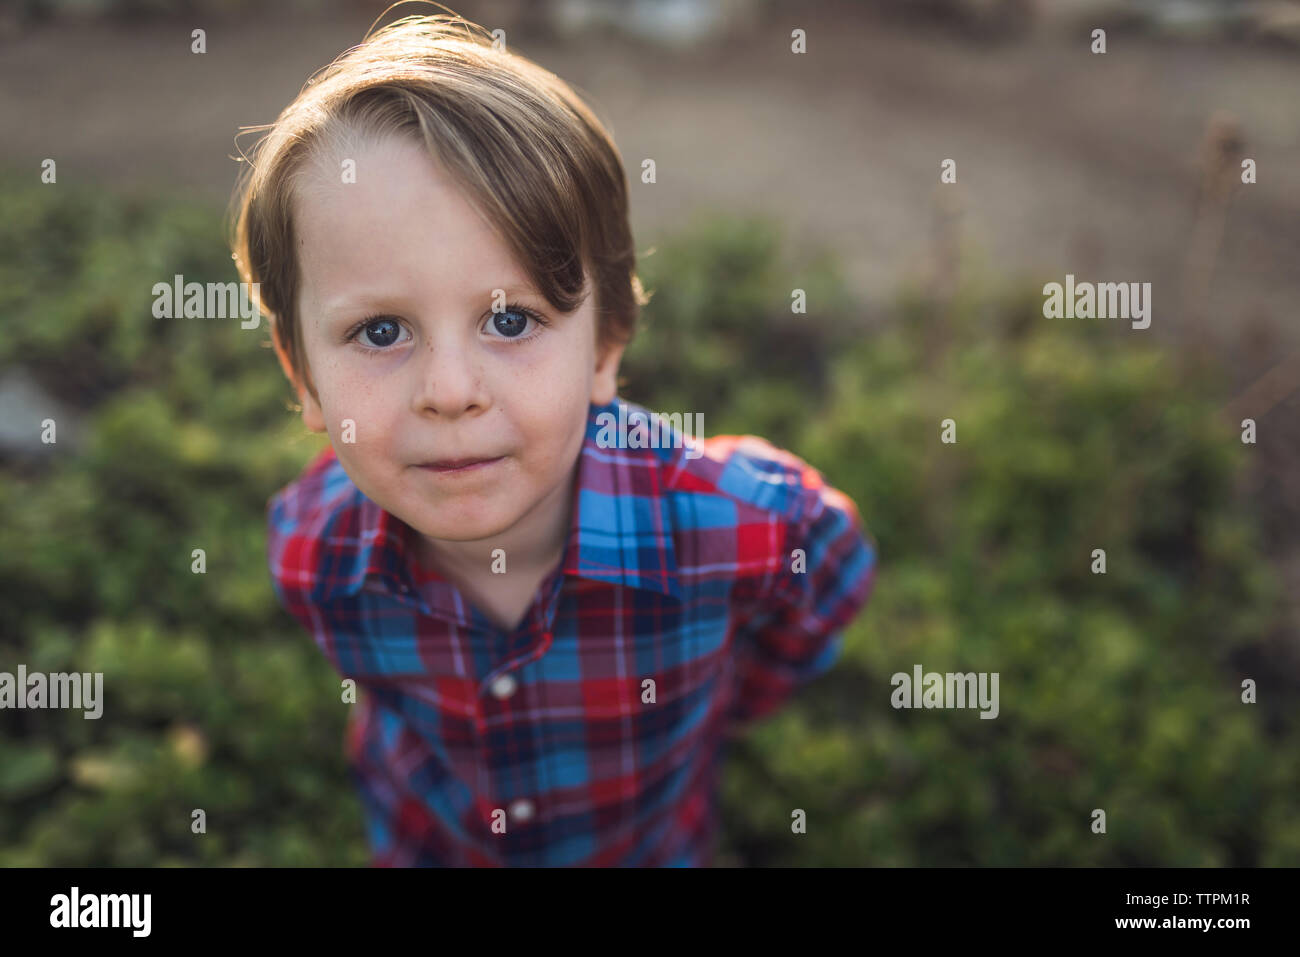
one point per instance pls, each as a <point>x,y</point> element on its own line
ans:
<point>521,811</point>
<point>504,686</point>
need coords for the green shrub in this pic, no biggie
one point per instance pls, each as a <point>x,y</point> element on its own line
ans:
<point>1117,691</point>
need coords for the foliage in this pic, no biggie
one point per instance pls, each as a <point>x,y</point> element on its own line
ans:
<point>1119,692</point>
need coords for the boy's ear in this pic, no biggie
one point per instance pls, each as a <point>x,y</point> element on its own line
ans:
<point>604,384</point>
<point>312,416</point>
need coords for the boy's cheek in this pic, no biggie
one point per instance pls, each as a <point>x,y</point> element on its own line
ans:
<point>356,435</point>
<point>346,411</point>
<point>349,424</point>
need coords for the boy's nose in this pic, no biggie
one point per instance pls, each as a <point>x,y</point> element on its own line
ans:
<point>451,381</point>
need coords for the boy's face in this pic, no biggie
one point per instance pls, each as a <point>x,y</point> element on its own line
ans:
<point>397,279</point>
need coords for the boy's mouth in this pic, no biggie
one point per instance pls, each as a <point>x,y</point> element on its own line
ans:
<point>459,465</point>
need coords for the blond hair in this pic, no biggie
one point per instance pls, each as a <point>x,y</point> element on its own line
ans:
<point>529,153</point>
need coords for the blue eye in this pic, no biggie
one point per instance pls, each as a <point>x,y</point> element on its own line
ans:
<point>512,321</point>
<point>380,333</point>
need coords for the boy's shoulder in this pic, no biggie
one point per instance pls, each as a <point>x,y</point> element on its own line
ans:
<point>319,507</point>
<point>794,546</point>
<point>315,498</point>
<point>756,477</point>
<point>743,505</point>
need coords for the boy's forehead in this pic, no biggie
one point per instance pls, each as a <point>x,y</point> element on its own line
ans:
<point>393,212</point>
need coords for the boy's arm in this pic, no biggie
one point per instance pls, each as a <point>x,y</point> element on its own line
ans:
<point>796,631</point>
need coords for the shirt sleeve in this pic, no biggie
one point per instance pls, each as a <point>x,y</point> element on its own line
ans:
<point>295,528</point>
<point>796,630</point>
<point>289,555</point>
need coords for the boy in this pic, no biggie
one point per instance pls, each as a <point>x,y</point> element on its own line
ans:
<point>555,633</point>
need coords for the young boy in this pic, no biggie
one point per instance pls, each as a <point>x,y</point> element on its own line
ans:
<point>555,633</point>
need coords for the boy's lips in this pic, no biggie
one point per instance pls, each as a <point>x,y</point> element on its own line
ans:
<point>459,465</point>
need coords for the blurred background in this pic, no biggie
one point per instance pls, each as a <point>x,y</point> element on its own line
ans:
<point>776,171</point>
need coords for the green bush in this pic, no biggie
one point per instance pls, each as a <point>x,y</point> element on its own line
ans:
<point>1118,691</point>
<point>214,697</point>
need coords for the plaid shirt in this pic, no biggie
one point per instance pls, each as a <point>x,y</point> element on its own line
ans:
<point>549,745</point>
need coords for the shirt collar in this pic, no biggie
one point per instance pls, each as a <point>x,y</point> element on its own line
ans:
<point>620,532</point>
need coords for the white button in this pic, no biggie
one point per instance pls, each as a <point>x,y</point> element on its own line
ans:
<point>521,810</point>
<point>504,686</point>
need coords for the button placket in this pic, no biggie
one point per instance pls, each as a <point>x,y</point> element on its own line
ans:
<point>515,650</point>
<point>504,687</point>
<point>521,811</point>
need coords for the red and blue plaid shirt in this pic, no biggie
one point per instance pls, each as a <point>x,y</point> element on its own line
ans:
<point>592,734</point>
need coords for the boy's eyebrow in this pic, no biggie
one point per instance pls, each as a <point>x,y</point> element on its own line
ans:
<point>347,303</point>
<point>520,288</point>
<point>342,307</point>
